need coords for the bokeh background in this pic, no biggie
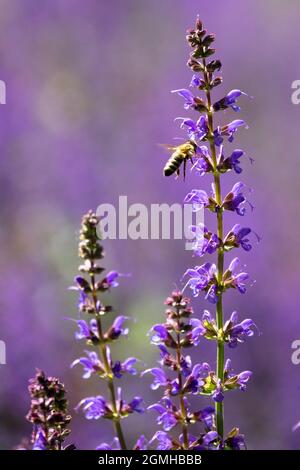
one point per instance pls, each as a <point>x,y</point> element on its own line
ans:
<point>88,99</point>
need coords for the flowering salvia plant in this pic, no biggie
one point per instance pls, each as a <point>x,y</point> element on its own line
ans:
<point>91,329</point>
<point>179,331</point>
<point>48,413</point>
<point>211,279</point>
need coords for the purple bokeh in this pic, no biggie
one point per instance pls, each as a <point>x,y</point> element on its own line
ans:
<point>88,100</point>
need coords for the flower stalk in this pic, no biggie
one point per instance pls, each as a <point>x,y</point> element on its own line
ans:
<point>48,413</point>
<point>212,279</point>
<point>180,331</point>
<point>107,366</point>
<point>96,335</point>
<point>220,263</point>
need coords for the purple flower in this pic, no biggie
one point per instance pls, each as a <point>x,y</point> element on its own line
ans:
<point>233,279</point>
<point>197,331</point>
<point>120,368</point>
<point>167,359</point>
<point>198,198</point>
<point>135,405</point>
<point>164,441</point>
<point>235,332</point>
<point>229,101</point>
<point>203,162</point>
<point>166,413</point>
<point>197,81</point>
<point>160,378</point>
<point>206,415</point>
<point>197,130</point>
<point>91,364</point>
<point>195,380</point>
<point>112,277</point>
<point>235,381</point>
<point>141,443</point>
<point>229,130</point>
<point>235,199</point>
<point>235,440</point>
<point>202,279</point>
<point>189,99</point>
<point>117,329</point>
<point>209,438</point>
<point>40,442</point>
<point>95,407</point>
<point>186,365</point>
<point>230,163</point>
<point>115,445</point>
<point>218,394</point>
<point>160,335</point>
<point>87,331</point>
<point>206,242</point>
<point>233,161</point>
<point>82,299</point>
<point>243,379</point>
<point>238,237</point>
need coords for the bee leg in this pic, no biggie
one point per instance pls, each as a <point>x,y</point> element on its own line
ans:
<point>184,170</point>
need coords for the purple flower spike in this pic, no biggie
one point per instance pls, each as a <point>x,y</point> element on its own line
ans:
<point>182,329</point>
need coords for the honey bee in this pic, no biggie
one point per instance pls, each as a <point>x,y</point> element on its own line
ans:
<point>181,154</point>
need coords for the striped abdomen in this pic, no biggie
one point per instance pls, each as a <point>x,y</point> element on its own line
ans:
<point>173,164</point>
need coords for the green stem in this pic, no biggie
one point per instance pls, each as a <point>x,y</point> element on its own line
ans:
<point>110,383</point>
<point>181,394</point>
<point>219,407</point>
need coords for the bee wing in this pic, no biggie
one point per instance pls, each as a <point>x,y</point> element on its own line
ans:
<point>168,147</point>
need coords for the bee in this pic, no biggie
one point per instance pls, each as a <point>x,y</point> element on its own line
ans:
<point>181,154</point>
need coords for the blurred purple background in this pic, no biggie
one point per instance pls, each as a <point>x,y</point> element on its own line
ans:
<point>88,99</point>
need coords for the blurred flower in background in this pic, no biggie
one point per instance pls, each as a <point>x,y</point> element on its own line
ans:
<point>86,107</point>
